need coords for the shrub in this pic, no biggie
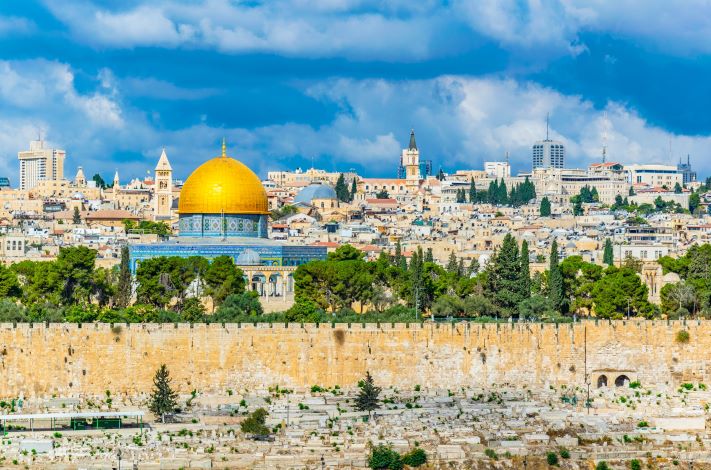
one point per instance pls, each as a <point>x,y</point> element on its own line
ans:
<point>682,336</point>
<point>635,384</point>
<point>383,457</point>
<point>491,454</point>
<point>635,464</point>
<point>254,423</point>
<point>552,458</point>
<point>415,458</point>
<point>643,424</point>
<point>565,453</point>
<point>602,465</point>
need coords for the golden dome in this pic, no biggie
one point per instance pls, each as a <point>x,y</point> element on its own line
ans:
<point>223,185</point>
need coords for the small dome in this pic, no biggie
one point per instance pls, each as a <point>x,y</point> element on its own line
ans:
<point>223,185</point>
<point>315,191</point>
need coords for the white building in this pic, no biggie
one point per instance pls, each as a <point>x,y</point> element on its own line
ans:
<point>654,175</point>
<point>497,169</point>
<point>40,164</point>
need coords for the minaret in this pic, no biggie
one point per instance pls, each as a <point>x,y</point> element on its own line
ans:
<point>163,189</point>
<point>411,159</point>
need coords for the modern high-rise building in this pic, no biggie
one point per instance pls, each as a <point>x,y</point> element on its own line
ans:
<point>688,175</point>
<point>40,164</point>
<point>548,154</point>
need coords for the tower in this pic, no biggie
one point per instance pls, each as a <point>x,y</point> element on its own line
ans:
<point>163,192</point>
<point>40,164</point>
<point>410,159</point>
<point>548,153</point>
<point>80,179</point>
<point>116,184</point>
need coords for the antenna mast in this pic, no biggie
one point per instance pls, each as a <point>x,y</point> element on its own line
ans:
<point>604,138</point>
<point>547,118</point>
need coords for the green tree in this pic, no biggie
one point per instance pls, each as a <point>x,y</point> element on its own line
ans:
<point>545,209</point>
<point>694,202</point>
<point>123,289</point>
<point>223,278</point>
<point>608,256</point>
<point>383,457</point>
<point>342,192</point>
<point>620,290</point>
<point>100,183</point>
<point>9,284</point>
<point>677,188</point>
<point>76,217</point>
<point>75,266</point>
<point>525,271</point>
<point>368,395</point>
<point>254,423</point>
<point>429,256</point>
<point>472,191</point>
<point>415,458</point>
<point>504,276</point>
<point>452,264</point>
<point>382,194</point>
<point>555,279</point>
<point>163,399</point>
<point>354,189</point>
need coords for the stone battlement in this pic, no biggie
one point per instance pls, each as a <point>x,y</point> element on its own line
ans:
<point>75,360</point>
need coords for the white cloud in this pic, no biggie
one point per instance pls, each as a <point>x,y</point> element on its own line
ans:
<point>398,30</point>
<point>14,25</point>
<point>460,122</point>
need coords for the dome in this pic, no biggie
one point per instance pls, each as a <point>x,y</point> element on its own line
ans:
<point>315,191</point>
<point>223,185</point>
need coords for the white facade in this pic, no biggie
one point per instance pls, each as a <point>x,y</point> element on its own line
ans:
<point>40,164</point>
<point>654,175</point>
<point>497,169</point>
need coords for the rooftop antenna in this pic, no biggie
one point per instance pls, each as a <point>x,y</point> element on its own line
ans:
<point>604,138</point>
<point>507,157</point>
<point>224,148</point>
<point>547,118</point>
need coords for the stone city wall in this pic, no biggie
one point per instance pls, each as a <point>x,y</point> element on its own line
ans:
<point>71,360</point>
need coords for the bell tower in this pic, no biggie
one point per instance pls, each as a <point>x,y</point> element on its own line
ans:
<point>411,159</point>
<point>163,192</point>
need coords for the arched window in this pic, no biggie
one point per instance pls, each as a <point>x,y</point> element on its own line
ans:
<point>602,381</point>
<point>622,381</point>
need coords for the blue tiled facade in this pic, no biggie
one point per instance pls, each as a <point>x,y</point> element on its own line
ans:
<point>254,253</point>
<point>223,225</point>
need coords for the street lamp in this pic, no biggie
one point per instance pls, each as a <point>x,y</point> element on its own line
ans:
<point>118,454</point>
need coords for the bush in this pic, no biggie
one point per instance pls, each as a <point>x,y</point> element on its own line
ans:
<point>415,458</point>
<point>254,423</point>
<point>635,464</point>
<point>602,465</point>
<point>383,457</point>
<point>635,384</point>
<point>491,454</point>
<point>643,424</point>
<point>552,458</point>
<point>682,337</point>
<point>565,453</point>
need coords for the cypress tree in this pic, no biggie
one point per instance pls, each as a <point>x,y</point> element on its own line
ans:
<point>354,189</point>
<point>123,289</point>
<point>163,398</point>
<point>429,257</point>
<point>502,194</point>
<point>492,193</point>
<point>460,267</point>
<point>342,192</point>
<point>472,192</point>
<point>555,279</point>
<point>525,271</point>
<point>367,399</point>
<point>505,276</point>
<point>608,256</point>
<point>473,267</point>
<point>452,265</point>
<point>76,217</point>
<point>397,260</point>
<point>545,210</point>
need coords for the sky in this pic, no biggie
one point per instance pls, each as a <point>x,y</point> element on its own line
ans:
<point>338,84</point>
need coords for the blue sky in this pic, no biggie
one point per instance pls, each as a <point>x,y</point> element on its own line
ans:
<point>341,82</point>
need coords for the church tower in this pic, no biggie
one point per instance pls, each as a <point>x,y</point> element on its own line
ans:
<point>163,192</point>
<point>411,159</point>
<point>80,179</point>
